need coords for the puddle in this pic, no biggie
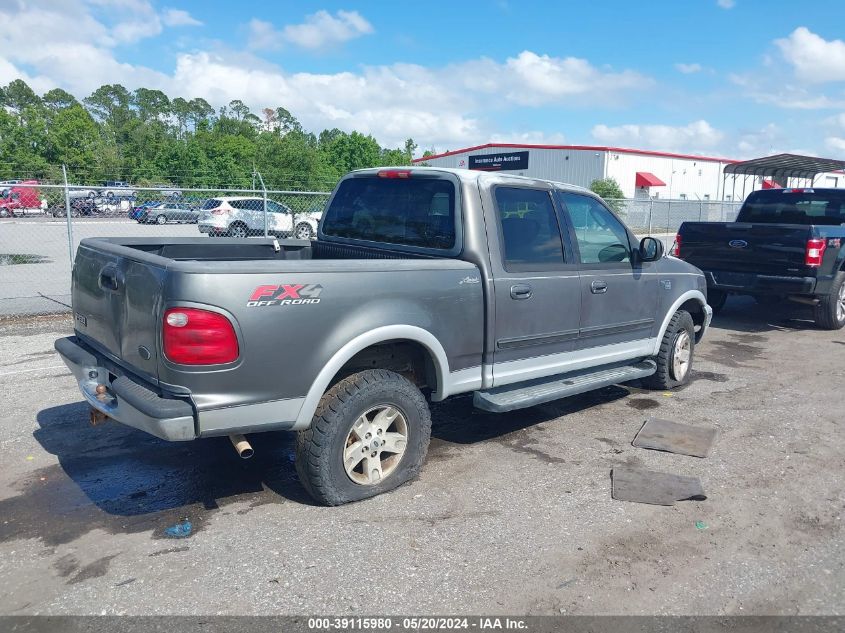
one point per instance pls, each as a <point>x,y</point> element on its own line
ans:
<point>642,404</point>
<point>122,481</point>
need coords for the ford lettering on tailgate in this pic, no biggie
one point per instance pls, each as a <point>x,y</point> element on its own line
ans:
<point>285,295</point>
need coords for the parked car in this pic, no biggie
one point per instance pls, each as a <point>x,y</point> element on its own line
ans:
<point>20,200</point>
<point>346,338</point>
<point>241,216</point>
<point>786,244</point>
<point>118,189</point>
<point>168,191</point>
<point>79,208</point>
<point>141,210</point>
<point>169,212</point>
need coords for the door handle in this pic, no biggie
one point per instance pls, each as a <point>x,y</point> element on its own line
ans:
<point>598,287</point>
<point>520,291</point>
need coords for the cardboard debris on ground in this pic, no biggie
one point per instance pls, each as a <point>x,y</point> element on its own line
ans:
<point>672,437</point>
<point>648,486</point>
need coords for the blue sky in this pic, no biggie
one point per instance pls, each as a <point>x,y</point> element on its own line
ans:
<point>737,78</point>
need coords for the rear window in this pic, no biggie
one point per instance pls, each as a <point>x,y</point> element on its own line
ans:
<point>406,212</point>
<point>211,203</point>
<point>784,206</point>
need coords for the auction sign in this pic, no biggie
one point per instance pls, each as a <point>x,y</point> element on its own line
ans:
<point>510,161</point>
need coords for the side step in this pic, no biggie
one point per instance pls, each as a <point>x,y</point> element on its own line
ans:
<point>540,390</point>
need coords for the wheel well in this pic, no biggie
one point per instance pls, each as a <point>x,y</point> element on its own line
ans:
<point>407,358</point>
<point>696,311</point>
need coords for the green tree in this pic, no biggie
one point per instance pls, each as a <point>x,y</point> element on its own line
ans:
<point>58,99</point>
<point>610,191</point>
<point>151,104</point>
<point>18,96</point>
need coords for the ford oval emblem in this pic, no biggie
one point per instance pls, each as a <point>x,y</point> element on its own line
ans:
<point>737,243</point>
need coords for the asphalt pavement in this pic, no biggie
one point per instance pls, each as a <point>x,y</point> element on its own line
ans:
<point>512,513</point>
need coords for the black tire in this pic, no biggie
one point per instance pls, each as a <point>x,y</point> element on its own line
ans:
<point>679,325</point>
<point>830,313</point>
<point>305,229</point>
<point>320,448</point>
<point>161,219</point>
<point>238,229</point>
<point>716,299</point>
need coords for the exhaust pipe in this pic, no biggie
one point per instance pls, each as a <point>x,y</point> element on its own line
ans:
<point>810,301</point>
<point>242,447</point>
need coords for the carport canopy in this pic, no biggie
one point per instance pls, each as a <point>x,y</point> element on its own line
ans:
<point>783,166</point>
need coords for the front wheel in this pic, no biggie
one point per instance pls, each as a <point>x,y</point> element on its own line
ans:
<point>369,435</point>
<point>830,313</point>
<point>677,349</point>
<point>161,219</point>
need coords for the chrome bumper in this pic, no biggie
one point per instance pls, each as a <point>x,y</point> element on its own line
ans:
<point>125,400</point>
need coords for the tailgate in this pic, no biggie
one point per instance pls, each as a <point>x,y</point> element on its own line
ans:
<point>770,249</point>
<point>117,303</point>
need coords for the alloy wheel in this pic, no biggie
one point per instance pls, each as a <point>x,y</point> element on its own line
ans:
<point>375,445</point>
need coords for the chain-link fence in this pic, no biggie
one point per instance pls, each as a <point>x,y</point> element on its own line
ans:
<point>660,217</point>
<point>42,224</point>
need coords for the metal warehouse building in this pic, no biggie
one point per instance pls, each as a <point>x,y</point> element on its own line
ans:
<point>641,174</point>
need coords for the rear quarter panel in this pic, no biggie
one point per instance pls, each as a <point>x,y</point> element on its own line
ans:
<point>283,348</point>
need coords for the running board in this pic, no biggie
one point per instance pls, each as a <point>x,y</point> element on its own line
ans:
<point>540,390</point>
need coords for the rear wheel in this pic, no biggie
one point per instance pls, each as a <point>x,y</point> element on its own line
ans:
<point>161,219</point>
<point>303,231</point>
<point>677,349</point>
<point>370,434</point>
<point>830,313</point>
<point>238,229</point>
<point>716,299</point>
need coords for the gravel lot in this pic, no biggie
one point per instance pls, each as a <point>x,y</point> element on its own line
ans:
<point>512,513</point>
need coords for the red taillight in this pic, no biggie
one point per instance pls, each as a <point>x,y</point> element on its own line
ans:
<point>815,252</point>
<point>219,211</point>
<point>675,251</point>
<point>198,337</point>
<point>394,173</point>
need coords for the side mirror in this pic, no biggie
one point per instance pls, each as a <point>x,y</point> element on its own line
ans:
<point>651,249</point>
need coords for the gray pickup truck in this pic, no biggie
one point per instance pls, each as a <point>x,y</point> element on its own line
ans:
<point>423,283</point>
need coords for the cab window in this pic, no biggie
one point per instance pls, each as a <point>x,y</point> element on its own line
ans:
<point>601,237</point>
<point>529,228</point>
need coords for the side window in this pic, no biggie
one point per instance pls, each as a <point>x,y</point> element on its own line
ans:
<point>529,228</point>
<point>601,237</point>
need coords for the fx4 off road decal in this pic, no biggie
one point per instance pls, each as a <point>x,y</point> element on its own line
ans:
<point>285,295</point>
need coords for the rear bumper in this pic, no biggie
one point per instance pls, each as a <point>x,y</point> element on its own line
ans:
<point>754,283</point>
<point>125,400</point>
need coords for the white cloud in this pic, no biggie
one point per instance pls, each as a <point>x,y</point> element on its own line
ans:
<point>835,143</point>
<point>262,35</point>
<point>688,69</point>
<point>813,58</point>
<point>726,4</point>
<point>784,95</point>
<point>532,79</point>
<point>442,106</point>
<point>179,17</point>
<point>695,136</point>
<point>322,29</point>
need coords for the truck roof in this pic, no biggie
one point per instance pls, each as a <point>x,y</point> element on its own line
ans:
<point>469,175</point>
